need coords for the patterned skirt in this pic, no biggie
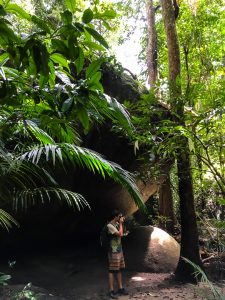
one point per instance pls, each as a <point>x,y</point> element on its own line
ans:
<point>116,261</point>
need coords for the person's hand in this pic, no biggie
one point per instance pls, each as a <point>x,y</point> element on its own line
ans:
<point>126,233</point>
<point>122,219</point>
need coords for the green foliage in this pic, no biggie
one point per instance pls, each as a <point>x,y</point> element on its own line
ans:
<point>26,293</point>
<point>203,278</point>
<point>6,220</point>
<point>49,87</point>
<point>200,28</point>
<point>4,278</point>
<point>87,16</point>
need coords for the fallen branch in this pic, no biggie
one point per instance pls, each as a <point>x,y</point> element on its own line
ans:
<point>208,258</point>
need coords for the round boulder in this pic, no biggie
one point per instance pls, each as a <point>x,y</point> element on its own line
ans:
<point>151,249</point>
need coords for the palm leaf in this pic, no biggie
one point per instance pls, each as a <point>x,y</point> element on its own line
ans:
<point>20,181</point>
<point>29,197</point>
<point>103,106</point>
<point>6,220</point>
<point>89,159</point>
<point>60,129</point>
<point>199,272</point>
<point>39,134</point>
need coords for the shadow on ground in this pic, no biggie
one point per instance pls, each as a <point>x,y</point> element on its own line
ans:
<point>81,274</point>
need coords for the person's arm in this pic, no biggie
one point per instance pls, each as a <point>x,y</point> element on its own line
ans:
<point>120,231</point>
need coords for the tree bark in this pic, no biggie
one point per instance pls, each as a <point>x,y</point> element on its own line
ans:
<point>189,230</point>
<point>166,211</point>
<point>152,44</point>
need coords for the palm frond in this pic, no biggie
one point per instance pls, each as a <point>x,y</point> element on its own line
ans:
<point>199,272</point>
<point>38,133</point>
<point>106,106</point>
<point>16,175</point>
<point>89,159</point>
<point>6,220</point>
<point>60,129</point>
<point>28,197</point>
<point>20,181</point>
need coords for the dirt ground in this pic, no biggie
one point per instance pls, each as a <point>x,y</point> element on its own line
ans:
<point>78,276</point>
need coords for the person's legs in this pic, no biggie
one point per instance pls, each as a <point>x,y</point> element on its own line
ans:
<point>112,270</point>
<point>119,280</point>
<point>111,281</point>
<point>112,294</point>
<point>121,291</point>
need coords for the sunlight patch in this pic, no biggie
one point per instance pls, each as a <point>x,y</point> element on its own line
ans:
<point>138,278</point>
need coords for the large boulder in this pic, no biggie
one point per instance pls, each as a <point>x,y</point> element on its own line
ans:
<point>150,249</point>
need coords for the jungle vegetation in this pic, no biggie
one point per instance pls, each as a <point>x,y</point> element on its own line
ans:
<point>51,55</point>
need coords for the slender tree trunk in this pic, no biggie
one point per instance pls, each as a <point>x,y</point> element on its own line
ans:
<point>165,194</point>
<point>189,231</point>
<point>152,44</point>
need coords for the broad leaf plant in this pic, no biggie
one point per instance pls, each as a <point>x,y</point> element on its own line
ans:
<point>50,95</point>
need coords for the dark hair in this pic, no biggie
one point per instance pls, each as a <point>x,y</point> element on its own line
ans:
<point>115,213</point>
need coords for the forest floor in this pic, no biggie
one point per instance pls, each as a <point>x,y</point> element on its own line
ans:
<point>78,276</point>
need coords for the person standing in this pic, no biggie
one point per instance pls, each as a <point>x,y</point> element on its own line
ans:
<point>116,261</point>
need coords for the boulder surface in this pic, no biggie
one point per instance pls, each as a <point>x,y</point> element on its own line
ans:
<point>151,249</point>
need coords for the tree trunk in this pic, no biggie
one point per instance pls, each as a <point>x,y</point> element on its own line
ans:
<point>166,211</point>
<point>189,230</point>
<point>152,44</point>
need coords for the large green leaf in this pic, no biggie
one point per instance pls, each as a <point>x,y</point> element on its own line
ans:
<point>17,10</point>
<point>60,46</point>
<point>98,37</point>
<point>84,118</point>
<point>71,5</point>
<point>67,17</point>
<point>94,81</point>
<point>73,48</point>
<point>4,58</point>
<point>59,59</point>
<point>7,34</point>
<point>93,46</point>
<point>87,16</point>
<point>40,56</point>
<point>79,62</point>
<point>93,68</point>
<point>67,105</point>
<point>107,14</point>
<point>60,129</point>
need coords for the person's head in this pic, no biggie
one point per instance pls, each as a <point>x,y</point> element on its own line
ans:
<point>116,215</point>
